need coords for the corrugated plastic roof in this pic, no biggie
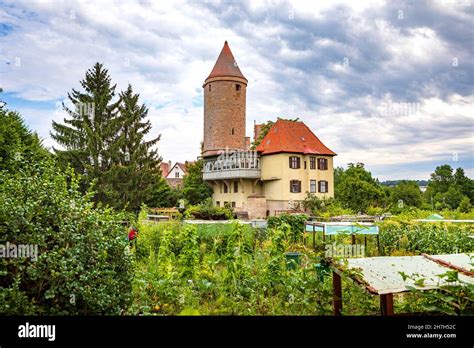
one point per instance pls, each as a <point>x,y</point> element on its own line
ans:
<point>381,275</point>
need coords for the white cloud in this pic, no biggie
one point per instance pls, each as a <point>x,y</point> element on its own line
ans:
<point>294,66</point>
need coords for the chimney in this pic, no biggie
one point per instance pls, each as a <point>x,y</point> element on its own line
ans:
<point>169,164</point>
<point>256,130</point>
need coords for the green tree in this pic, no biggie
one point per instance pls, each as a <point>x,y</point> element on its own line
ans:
<point>447,189</point>
<point>195,190</point>
<point>135,170</point>
<point>163,195</point>
<point>264,128</point>
<point>77,265</point>
<point>357,190</point>
<point>17,142</point>
<point>93,125</point>
<point>464,183</point>
<point>465,205</point>
<point>407,192</point>
<point>452,197</point>
<point>441,179</point>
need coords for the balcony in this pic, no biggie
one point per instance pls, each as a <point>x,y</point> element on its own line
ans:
<point>234,165</point>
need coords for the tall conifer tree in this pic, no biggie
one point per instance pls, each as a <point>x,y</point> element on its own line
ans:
<point>136,167</point>
<point>91,129</point>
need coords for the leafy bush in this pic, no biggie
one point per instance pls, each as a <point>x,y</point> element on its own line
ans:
<point>296,223</point>
<point>404,238</point>
<point>82,266</point>
<point>207,211</point>
<point>465,205</point>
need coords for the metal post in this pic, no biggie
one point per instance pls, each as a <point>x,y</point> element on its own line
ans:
<point>386,304</point>
<point>337,294</point>
<point>314,237</point>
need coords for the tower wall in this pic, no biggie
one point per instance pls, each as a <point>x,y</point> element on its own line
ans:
<point>224,114</point>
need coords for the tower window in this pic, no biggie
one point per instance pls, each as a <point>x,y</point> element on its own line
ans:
<point>209,87</point>
<point>232,131</point>
<point>237,87</point>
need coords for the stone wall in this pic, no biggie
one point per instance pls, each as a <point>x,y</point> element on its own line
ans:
<point>255,206</point>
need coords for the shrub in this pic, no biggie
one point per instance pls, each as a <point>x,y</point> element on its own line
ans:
<point>82,266</point>
<point>465,205</point>
<point>296,224</point>
<point>206,211</point>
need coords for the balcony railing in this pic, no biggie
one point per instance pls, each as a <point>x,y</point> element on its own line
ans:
<point>234,165</point>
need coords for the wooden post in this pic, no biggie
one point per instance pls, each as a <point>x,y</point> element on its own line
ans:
<point>386,304</point>
<point>353,239</point>
<point>378,244</point>
<point>337,293</point>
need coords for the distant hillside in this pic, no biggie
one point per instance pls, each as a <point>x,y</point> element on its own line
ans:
<point>395,182</point>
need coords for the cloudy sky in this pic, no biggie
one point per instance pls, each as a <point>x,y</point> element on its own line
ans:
<point>387,84</point>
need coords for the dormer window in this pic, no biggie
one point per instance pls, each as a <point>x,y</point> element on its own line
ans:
<point>237,87</point>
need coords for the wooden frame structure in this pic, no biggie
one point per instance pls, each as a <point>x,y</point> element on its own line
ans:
<point>356,228</point>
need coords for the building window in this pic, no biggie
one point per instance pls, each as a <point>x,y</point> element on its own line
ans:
<point>312,162</point>
<point>233,204</point>
<point>209,87</point>
<point>294,162</point>
<point>236,186</point>
<point>304,164</point>
<point>312,186</point>
<point>218,204</point>
<point>322,164</point>
<point>323,186</point>
<point>225,187</point>
<point>176,175</point>
<point>237,87</point>
<point>295,186</point>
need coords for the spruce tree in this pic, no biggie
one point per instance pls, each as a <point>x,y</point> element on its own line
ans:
<point>136,164</point>
<point>91,130</point>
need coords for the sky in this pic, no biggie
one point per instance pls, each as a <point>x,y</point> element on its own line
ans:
<point>385,83</point>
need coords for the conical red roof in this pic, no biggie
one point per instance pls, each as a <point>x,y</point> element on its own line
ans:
<point>226,65</point>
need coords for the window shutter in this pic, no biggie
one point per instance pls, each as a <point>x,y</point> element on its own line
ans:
<point>290,163</point>
<point>319,186</point>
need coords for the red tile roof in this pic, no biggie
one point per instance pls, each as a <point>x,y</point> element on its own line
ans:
<point>226,65</point>
<point>294,137</point>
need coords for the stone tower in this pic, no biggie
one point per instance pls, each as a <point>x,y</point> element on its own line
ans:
<point>224,106</point>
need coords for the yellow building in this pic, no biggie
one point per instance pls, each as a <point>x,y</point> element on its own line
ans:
<point>289,162</point>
